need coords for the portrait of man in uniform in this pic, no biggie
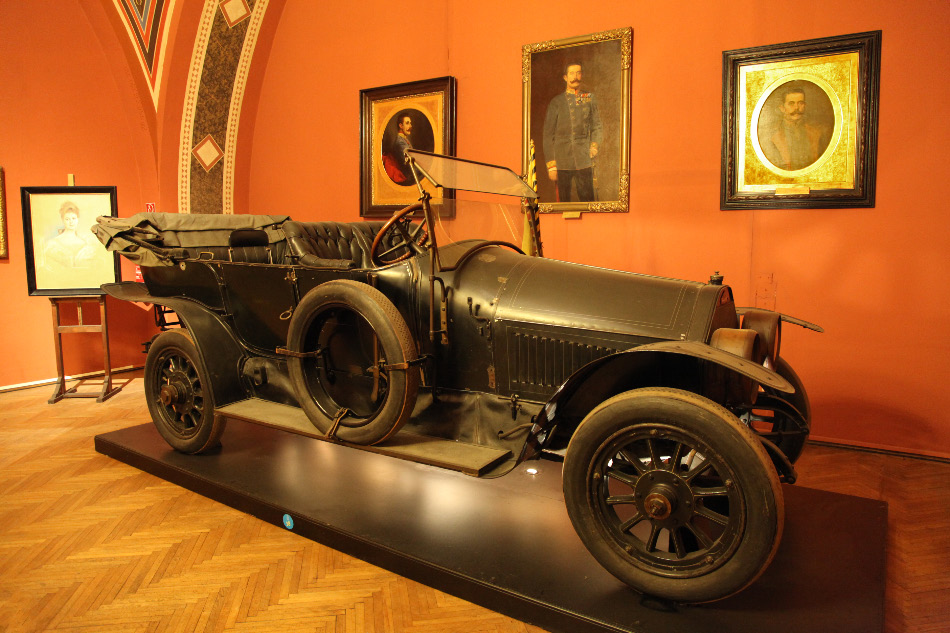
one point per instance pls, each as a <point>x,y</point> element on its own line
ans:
<point>573,133</point>
<point>796,125</point>
<point>417,115</point>
<point>799,124</point>
<point>408,129</point>
<point>577,120</point>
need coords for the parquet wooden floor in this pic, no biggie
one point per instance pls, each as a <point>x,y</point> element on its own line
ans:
<point>90,544</point>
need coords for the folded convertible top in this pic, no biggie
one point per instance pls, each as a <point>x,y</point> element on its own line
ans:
<point>144,238</point>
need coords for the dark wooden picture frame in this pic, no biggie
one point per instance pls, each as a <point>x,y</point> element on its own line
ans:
<point>799,124</point>
<point>385,183</point>
<point>63,257</point>
<point>602,101</point>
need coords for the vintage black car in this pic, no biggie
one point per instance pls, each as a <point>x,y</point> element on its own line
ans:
<point>674,412</point>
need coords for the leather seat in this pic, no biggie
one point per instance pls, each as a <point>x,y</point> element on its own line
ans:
<point>331,244</point>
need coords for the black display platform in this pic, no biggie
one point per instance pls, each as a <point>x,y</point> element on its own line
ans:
<point>507,543</point>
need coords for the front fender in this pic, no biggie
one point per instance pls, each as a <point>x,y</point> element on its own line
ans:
<point>808,325</point>
<point>706,352</point>
<point>663,364</point>
<point>220,351</point>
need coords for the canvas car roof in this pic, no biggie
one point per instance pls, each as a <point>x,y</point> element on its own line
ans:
<point>176,230</point>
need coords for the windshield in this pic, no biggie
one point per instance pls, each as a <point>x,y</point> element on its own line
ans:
<point>471,216</point>
<point>466,175</point>
<point>475,220</point>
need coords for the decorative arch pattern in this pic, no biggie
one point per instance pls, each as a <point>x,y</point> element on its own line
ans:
<point>146,23</point>
<point>224,46</point>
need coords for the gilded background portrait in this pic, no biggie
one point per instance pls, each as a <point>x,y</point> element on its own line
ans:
<point>800,123</point>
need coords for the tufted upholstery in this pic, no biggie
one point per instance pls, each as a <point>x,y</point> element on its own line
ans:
<point>331,244</point>
<point>317,244</point>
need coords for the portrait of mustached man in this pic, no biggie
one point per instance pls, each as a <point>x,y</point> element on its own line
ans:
<point>572,136</point>
<point>794,140</point>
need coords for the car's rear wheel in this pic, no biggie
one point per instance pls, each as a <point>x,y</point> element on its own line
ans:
<point>179,395</point>
<point>352,362</point>
<point>673,495</point>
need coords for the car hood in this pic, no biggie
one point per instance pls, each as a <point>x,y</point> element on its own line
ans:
<point>561,294</point>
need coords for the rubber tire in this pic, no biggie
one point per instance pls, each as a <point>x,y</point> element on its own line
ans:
<point>206,433</point>
<point>397,345</point>
<point>733,442</point>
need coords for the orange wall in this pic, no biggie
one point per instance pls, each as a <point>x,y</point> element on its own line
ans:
<point>871,277</point>
<point>306,134</point>
<point>68,105</point>
<point>71,103</point>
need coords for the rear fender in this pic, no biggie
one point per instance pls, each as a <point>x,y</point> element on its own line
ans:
<point>219,349</point>
<point>675,364</point>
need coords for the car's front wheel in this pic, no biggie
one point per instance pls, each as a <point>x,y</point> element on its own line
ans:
<point>673,495</point>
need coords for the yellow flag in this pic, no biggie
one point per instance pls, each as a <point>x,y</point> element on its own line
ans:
<point>531,239</point>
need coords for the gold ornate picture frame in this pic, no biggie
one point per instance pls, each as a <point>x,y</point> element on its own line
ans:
<point>427,111</point>
<point>576,115</point>
<point>799,124</point>
<point>4,249</point>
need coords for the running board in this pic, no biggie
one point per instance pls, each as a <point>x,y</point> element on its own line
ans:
<point>470,459</point>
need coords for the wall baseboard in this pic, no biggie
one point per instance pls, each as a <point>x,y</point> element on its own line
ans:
<point>883,450</point>
<point>52,381</point>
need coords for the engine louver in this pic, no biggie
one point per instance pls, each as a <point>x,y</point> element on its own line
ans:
<point>540,363</point>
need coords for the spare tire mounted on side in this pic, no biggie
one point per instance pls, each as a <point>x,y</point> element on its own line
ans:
<point>352,362</point>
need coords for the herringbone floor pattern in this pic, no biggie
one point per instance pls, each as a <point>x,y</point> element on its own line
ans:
<point>90,544</point>
<point>917,593</point>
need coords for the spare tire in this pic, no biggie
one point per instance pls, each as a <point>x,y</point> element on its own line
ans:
<point>352,362</point>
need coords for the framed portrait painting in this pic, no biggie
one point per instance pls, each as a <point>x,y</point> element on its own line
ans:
<point>415,115</point>
<point>576,121</point>
<point>799,124</point>
<point>63,257</point>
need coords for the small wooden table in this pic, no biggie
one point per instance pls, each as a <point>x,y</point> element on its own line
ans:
<point>59,329</point>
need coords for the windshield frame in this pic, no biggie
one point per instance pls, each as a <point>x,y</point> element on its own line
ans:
<point>514,185</point>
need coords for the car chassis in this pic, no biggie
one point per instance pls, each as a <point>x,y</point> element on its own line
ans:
<point>673,411</point>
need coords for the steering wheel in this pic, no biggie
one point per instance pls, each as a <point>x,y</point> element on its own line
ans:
<point>406,235</point>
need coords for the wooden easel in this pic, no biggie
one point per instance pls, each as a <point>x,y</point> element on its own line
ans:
<point>59,329</point>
